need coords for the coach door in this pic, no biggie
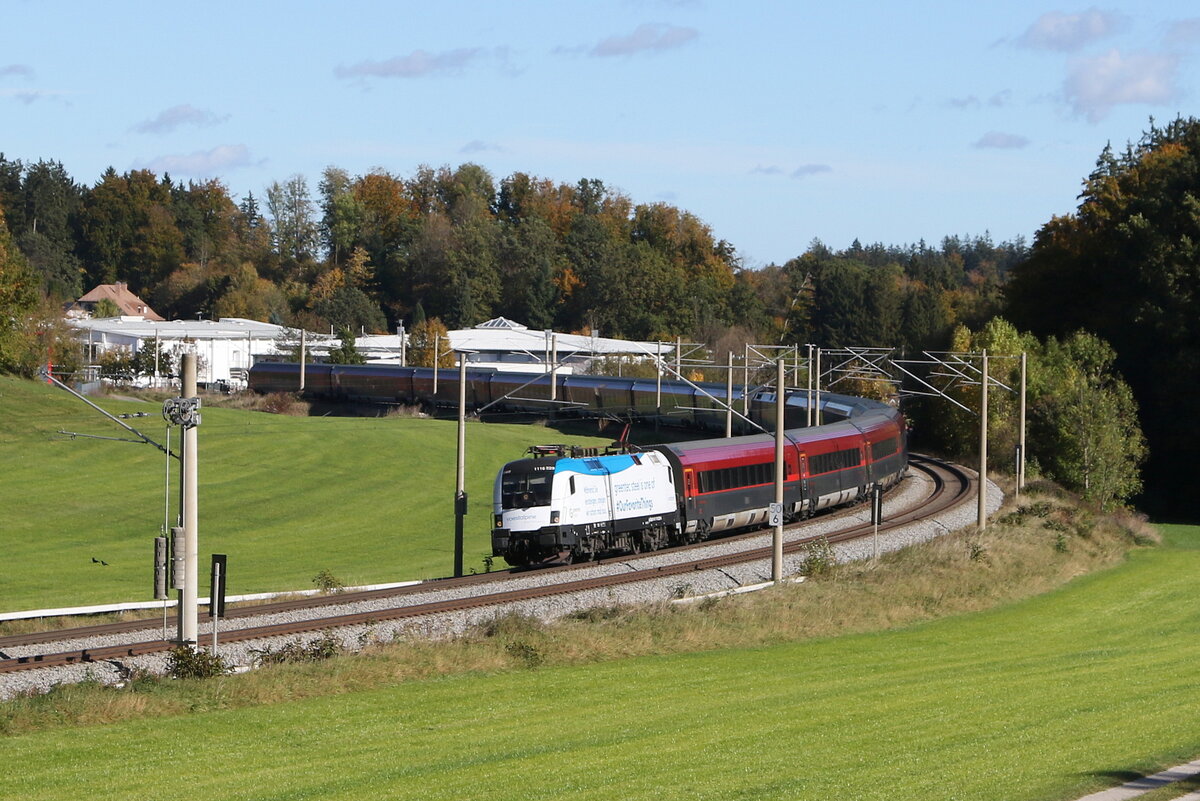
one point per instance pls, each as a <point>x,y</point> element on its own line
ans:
<point>804,496</point>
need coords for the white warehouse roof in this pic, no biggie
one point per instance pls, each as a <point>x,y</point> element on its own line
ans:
<point>504,336</point>
<point>141,328</point>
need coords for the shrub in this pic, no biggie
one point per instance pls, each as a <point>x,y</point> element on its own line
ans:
<point>285,403</point>
<point>324,647</point>
<point>530,655</point>
<point>1039,509</point>
<point>978,553</point>
<point>184,662</point>
<point>819,558</point>
<point>1012,518</point>
<point>328,583</point>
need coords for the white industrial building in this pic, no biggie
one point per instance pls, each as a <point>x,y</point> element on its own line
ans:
<point>502,344</point>
<point>227,348</point>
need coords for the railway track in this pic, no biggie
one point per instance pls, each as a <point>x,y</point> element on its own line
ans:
<point>950,486</point>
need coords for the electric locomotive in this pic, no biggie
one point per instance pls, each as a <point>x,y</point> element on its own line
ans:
<point>684,492</point>
<point>583,506</point>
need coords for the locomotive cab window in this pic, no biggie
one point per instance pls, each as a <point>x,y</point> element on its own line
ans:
<point>522,490</point>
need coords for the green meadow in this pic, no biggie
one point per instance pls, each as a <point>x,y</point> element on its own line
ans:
<point>1047,698</point>
<point>366,499</point>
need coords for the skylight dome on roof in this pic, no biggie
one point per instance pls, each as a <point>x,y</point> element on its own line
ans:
<point>503,322</point>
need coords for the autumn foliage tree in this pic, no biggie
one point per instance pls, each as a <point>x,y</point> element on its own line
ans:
<point>1126,267</point>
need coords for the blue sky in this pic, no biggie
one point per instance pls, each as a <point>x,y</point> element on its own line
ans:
<point>774,122</point>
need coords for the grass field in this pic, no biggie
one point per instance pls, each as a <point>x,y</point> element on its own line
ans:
<point>367,499</point>
<point>1048,698</point>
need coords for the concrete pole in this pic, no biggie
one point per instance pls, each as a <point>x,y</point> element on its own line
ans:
<point>679,356</point>
<point>981,523</point>
<point>1021,465</point>
<point>188,613</point>
<point>809,410</point>
<point>817,390</point>
<point>729,398</point>
<point>156,349</point>
<point>658,368</point>
<point>460,492</point>
<point>437,338</point>
<point>303,355</point>
<point>554,367</point>
<point>777,540</point>
<point>746,381</point>
<point>403,348</point>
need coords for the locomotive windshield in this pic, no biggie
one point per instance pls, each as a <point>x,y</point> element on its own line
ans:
<point>520,489</point>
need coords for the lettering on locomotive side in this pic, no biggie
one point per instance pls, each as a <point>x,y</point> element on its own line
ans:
<point>635,486</point>
<point>633,504</point>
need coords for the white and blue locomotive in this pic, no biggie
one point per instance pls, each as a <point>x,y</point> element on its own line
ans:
<point>586,505</point>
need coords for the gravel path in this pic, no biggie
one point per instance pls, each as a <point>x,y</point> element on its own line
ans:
<point>910,492</point>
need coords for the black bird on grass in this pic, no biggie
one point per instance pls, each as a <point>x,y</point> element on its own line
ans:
<point>99,561</point>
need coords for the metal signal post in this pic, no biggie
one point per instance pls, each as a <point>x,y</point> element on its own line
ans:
<point>460,492</point>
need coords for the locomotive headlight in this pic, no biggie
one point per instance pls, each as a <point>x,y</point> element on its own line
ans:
<point>554,517</point>
<point>499,521</point>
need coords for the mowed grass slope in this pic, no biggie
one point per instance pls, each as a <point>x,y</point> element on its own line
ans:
<point>367,499</point>
<point>1045,699</point>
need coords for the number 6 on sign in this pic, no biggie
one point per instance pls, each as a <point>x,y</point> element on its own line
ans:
<point>775,514</point>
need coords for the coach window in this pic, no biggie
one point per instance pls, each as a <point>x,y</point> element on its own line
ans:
<point>572,483</point>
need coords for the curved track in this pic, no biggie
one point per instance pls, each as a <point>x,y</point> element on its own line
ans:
<point>951,486</point>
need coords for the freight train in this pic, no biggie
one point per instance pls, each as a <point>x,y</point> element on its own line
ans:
<point>584,505</point>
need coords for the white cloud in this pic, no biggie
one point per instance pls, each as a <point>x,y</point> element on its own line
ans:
<point>480,146</point>
<point>649,37</point>
<point>176,116</point>
<point>30,96</point>
<point>1067,32</point>
<point>202,162</point>
<point>805,170</point>
<point>1002,141</point>
<point>23,70</point>
<point>1094,85</point>
<point>417,64</point>
<point>767,170</point>
<point>1184,32</point>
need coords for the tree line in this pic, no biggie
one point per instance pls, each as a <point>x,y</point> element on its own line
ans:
<point>1106,292</point>
<point>369,252</point>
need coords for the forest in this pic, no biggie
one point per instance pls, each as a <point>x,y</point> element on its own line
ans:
<point>372,251</point>
<point>1105,292</point>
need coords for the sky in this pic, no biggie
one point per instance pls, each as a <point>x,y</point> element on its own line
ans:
<point>776,123</point>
